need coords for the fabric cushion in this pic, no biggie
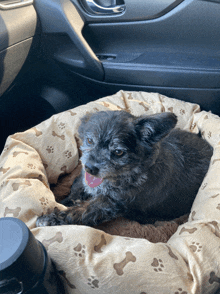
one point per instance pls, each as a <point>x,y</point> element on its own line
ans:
<point>89,260</point>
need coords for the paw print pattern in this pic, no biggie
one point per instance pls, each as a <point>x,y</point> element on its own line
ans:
<point>195,247</point>
<point>218,207</point>
<point>44,201</point>
<point>182,111</point>
<point>31,166</point>
<point>68,154</point>
<point>50,149</point>
<point>61,125</point>
<point>180,291</point>
<point>209,134</point>
<point>80,250</point>
<point>157,264</point>
<point>93,283</point>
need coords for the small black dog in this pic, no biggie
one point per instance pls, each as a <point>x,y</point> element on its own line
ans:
<point>137,167</point>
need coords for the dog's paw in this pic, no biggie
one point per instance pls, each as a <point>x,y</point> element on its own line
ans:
<point>43,221</point>
<point>53,219</point>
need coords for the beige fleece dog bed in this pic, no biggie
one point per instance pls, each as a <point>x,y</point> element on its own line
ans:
<point>90,260</point>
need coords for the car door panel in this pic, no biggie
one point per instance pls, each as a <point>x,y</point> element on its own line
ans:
<point>17,28</point>
<point>168,47</point>
<point>168,51</point>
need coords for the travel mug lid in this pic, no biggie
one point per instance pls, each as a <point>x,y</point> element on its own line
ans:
<point>21,255</point>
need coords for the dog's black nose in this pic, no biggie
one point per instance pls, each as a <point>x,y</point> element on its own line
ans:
<point>91,169</point>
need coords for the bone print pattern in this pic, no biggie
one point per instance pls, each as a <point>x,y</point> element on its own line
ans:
<point>190,231</point>
<point>215,160</point>
<point>144,106</point>
<point>120,266</point>
<point>37,132</point>
<point>171,254</point>
<point>103,242</point>
<point>16,186</point>
<point>6,148</point>
<point>72,113</point>
<point>193,214</point>
<point>57,238</point>
<point>62,137</point>
<point>12,211</point>
<point>16,153</point>
<point>4,170</point>
<point>81,248</point>
<point>63,275</point>
<point>214,196</point>
<point>214,228</point>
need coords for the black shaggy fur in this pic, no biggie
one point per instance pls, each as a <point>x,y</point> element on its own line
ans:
<point>150,170</point>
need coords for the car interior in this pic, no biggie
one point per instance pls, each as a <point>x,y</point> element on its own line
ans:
<point>59,54</point>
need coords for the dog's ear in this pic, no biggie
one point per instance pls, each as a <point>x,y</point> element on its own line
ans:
<point>153,128</point>
<point>84,121</point>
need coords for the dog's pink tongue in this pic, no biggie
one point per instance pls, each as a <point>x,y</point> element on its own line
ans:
<point>92,181</point>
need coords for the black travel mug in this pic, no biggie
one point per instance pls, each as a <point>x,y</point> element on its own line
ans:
<point>25,266</point>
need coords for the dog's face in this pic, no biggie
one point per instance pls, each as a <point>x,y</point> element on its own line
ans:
<point>115,142</point>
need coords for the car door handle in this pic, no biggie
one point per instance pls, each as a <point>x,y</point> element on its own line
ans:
<point>15,4</point>
<point>98,9</point>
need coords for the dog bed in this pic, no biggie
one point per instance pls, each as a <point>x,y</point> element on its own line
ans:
<point>157,232</point>
<point>90,260</point>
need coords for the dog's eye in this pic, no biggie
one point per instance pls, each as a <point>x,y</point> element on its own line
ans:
<point>118,152</point>
<point>89,141</point>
